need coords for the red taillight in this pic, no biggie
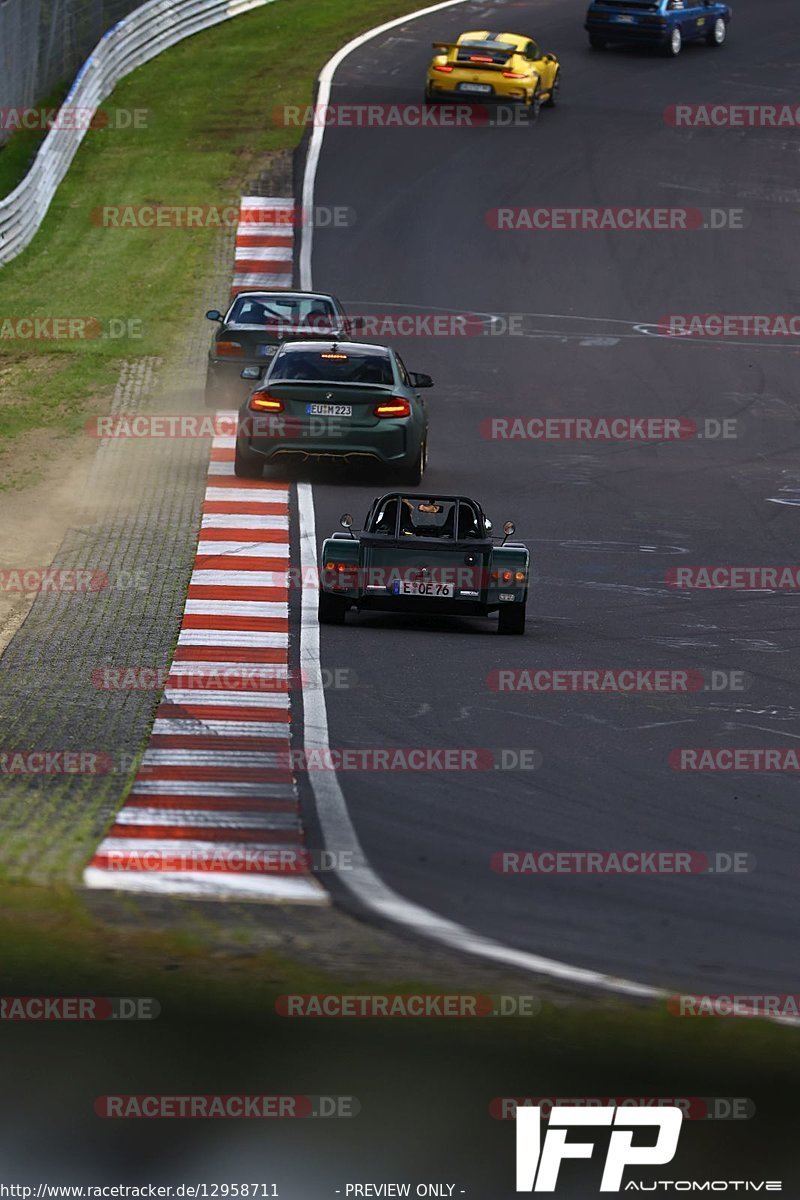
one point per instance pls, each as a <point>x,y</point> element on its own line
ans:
<point>341,574</point>
<point>480,58</point>
<point>397,406</point>
<point>229,349</point>
<point>263,402</point>
<point>445,68</point>
<point>515,74</point>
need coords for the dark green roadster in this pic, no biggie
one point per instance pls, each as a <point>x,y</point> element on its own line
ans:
<point>425,554</point>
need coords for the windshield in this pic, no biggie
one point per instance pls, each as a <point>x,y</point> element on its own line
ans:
<point>284,311</point>
<point>333,366</point>
<point>429,518</point>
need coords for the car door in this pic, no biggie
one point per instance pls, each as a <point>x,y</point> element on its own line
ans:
<point>691,16</point>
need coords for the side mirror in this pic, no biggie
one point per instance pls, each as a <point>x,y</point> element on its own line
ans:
<point>252,372</point>
<point>346,521</point>
<point>214,314</point>
<point>488,524</point>
<point>508,529</point>
<point>420,381</point>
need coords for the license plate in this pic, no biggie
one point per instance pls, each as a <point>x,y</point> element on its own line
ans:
<point>329,410</point>
<point>483,88</point>
<point>440,591</point>
<point>265,351</point>
<point>625,20</point>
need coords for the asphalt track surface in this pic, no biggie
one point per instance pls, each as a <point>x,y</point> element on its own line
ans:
<point>604,521</point>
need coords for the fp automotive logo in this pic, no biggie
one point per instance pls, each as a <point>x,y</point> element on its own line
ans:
<point>538,1165</point>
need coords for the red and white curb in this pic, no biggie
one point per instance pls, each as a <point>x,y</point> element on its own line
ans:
<point>264,244</point>
<point>214,803</point>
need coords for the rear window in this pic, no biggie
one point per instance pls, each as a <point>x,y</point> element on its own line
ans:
<point>333,366</point>
<point>283,311</point>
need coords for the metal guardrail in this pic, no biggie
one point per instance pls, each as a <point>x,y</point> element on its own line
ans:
<point>136,39</point>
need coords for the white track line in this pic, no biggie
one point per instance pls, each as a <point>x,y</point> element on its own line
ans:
<point>334,819</point>
<point>216,818</point>
<point>199,885</point>
<point>224,790</point>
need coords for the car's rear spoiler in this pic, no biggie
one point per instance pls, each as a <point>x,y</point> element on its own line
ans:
<point>446,47</point>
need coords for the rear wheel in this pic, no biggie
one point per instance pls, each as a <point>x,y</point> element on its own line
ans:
<point>718,33</point>
<point>511,618</point>
<point>675,43</point>
<point>552,99</point>
<point>535,106</point>
<point>332,609</point>
<point>246,468</point>
<point>412,475</point>
<point>597,43</point>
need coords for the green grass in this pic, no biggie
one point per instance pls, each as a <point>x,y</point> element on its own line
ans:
<point>50,943</point>
<point>209,127</point>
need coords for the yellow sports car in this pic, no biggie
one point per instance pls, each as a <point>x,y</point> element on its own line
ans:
<point>493,66</point>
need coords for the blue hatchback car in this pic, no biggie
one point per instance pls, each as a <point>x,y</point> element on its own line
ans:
<point>663,23</point>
